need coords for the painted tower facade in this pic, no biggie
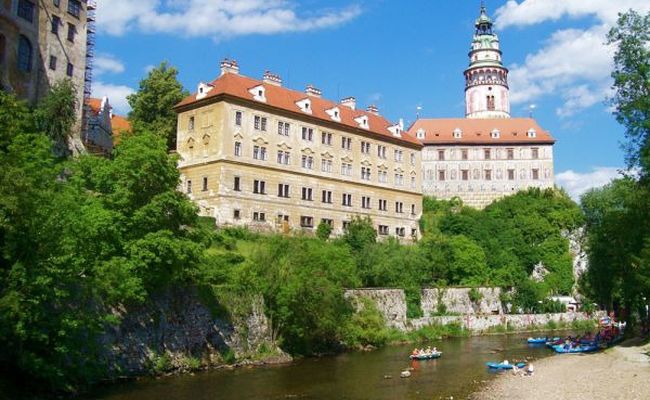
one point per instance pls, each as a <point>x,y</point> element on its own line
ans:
<point>486,79</point>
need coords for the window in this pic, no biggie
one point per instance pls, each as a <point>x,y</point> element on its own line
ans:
<point>238,149</point>
<point>381,151</point>
<point>490,103</point>
<point>26,10</point>
<point>190,124</point>
<point>260,123</point>
<point>238,116</point>
<point>307,194</point>
<point>282,218</point>
<point>535,174</point>
<point>326,138</point>
<point>399,179</point>
<point>463,154</point>
<point>365,147</point>
<point>511,174</point>
<point>441,175</point>
<point>236,184</point>
<point>259,216</point>
<point>259,153</point>
<point>398,155</point>
<point>326,165</point>
<point>488,174</point>
<point>74,8</point>
<point>413,182</point>
<point>259,187</point>
<point>307,134</point>
<point>236,214</point>
<point>464,174</point>
<point>346,225</point>
<point>383,205</point>
<point>510,154</point>
<point>346,143</point>
<point>283,190</point>
<point>441,155</point>
<point>283,128</point>
<point>365,173</point>
<point>327,221</point>
<point>189,186</point>
<point>382,176</point>
<point>53,63</point>
<point>412,158</point>
<point>383,230</point>
<point>24,54</point>
<point>414,232</point>
<point>346,169</point>
<point>412,209</point>
<point>401,232</point>
<point>487,154</point>
<point>307,162</point>
<point>365,202</point>
<point>205,184</point>
<point>399,207</point>
<point>306,222</point>
<point>346,200</point>
<point>326,196</point>
<point>72,31</point>
<point>56,22</point>
<point>69,70</point>
<point>283,157</point>
<point>534,153</point>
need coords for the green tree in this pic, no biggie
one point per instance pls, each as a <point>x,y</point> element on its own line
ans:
<point>631,74</point>
<point>360,233</point>
<point>152,106</point>
<point>324,230</point>
<point>56,114</point>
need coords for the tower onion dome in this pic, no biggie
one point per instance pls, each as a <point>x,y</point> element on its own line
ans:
<point>483,23</point>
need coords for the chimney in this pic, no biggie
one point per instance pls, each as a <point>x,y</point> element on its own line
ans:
<point>272,79</point>
<point>373,109</point>
<point>350,102</point>
<point>229,66</point>
<point>313,91</point>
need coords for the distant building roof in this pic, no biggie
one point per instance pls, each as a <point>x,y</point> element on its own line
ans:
<point>470,131</point>
<point>119,125</point>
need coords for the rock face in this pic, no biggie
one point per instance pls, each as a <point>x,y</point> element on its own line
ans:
<point>580,259</point>
<point>458,301</point>
<point>178,325</point>
<point>390,302</point>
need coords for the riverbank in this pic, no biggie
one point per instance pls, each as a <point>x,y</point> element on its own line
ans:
<point>622,372</point>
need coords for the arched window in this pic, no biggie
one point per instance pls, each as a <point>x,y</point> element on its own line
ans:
<point>24,54</point>
<point>490,103</point>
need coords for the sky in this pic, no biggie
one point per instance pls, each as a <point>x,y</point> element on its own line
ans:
<point>396,54</point>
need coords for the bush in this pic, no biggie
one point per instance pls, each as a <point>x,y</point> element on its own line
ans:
<point>365,327</point>
<point>475,296</point>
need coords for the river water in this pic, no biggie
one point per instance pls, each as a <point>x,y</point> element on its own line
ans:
<point>360,375</point>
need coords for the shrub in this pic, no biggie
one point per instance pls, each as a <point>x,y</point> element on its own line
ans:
<point>475,296</point>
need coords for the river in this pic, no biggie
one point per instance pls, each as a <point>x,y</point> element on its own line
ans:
<point>358,375</point>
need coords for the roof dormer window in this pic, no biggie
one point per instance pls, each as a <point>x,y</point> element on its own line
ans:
<point>420,133</point>
<point>259,93</point>
<point>532,133</point>
<point>304,105</point>
<point>458,133</point>
<point>362,121</point>
<point>203,90</point>
<point>495,134</point>
<point>334,113</point>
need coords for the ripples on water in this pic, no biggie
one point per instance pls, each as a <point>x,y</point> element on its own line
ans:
<point>348,376</point>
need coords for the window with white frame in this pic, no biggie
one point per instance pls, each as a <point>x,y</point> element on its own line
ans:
<point>326,196</point>
<point>283,128</point>
<point>238,149</point>
<point>382,176</point>
<point>326,165</point>
<point>283,190</point>
<point>238,118</point>
<point>346,199</point>
<point>259,216</point>
<point>365,147</point>
<point>399,207</point>
<point>259,187</point>
<point>399,179</point>
<point>306,222</point>
<point>383,205</point>
<point>326,138</point>
<point>307,194</point>
<point>307,162</point>
<point>381,151</point>
<point>398,155</point>
<point>365,173</point>
<point>307,134</point>
<point>346,143</point>
<point>259,123</point>
<point>284,157</point>
<point>413,158</point>
<point>366,202</point>
<point>346,169</point>
<point>383,230</point>
<point>259,153</point>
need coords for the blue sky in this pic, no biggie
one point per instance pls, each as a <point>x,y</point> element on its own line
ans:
<point>393,53</point>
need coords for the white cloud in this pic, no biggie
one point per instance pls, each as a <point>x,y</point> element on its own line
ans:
<point>116,95</point>
<point>104,63</point>
<point>216,18</point>
<point>576,183</point>
<point>573,63</point>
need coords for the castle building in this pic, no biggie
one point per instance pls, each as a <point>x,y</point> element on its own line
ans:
<point>487,154</point>
<point>104,127</point>
<point>42,42</point>
<point>258,154</point>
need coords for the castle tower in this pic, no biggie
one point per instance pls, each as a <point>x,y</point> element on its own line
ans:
<point>486,79</point>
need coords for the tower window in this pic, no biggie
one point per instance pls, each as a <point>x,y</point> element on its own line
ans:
<point>24,54</point>
<point>26,10</point>
<point>490,103</point>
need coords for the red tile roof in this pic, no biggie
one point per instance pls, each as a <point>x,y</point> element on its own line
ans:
<point>120,125</point>
<point>283,98</point>
<point>95,105</point>
<point>478,131</point>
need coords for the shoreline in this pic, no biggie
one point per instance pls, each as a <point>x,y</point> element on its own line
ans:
<point>621,372</point>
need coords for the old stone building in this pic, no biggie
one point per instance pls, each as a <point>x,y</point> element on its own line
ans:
<point>487,154</point>
<point>104,127</point>
<point>258,154</point>
<point>42,42</point>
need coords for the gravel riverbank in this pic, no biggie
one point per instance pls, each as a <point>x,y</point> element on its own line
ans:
<point>622,372</point>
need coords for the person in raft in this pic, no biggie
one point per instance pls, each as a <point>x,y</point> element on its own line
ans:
<point>505,362</point>
<point>415,352</point>
<point>428,350</point>
<point>435,349</point>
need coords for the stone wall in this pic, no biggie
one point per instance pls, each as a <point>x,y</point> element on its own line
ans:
<point>480,323</point>
<point>178,324</point>
<point>457,301</point>
<point>390,302</point>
